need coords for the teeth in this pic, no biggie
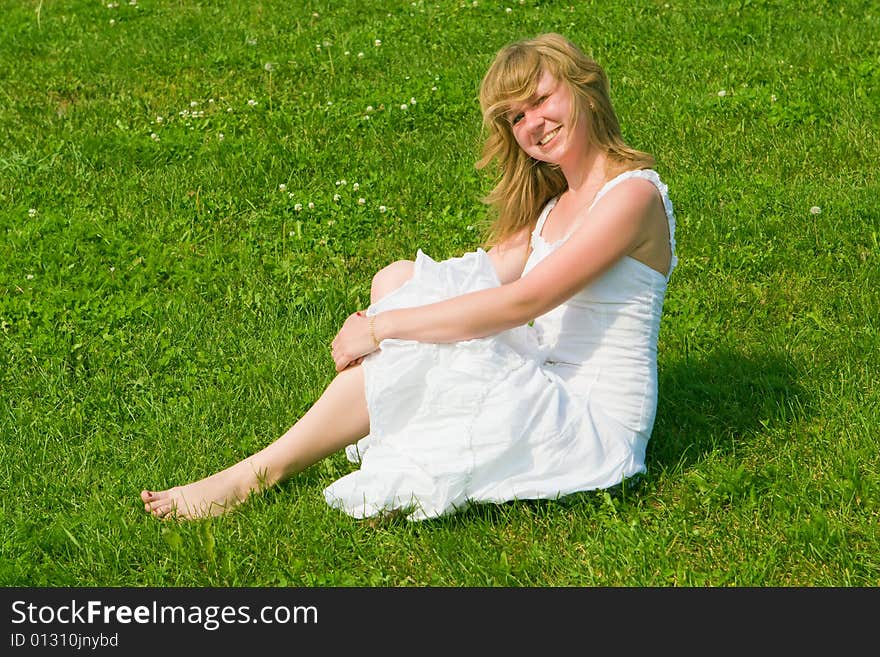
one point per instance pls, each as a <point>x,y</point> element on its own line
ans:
<point>549,135</point>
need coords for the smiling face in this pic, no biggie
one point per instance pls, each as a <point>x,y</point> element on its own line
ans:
<point>544,125</point>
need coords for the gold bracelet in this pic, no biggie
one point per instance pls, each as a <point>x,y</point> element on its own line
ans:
<point>372,325</point>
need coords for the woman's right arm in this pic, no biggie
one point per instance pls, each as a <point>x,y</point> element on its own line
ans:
<point>509,257</point>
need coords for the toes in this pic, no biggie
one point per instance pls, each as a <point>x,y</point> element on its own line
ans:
<point>162,510</point>
<point>153,500</point>
<point>161,504</point>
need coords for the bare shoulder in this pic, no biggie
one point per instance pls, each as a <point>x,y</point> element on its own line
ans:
<point>638,205</point>
<point>637,198</point>
<point>518,240</point>
<point>509,255</point>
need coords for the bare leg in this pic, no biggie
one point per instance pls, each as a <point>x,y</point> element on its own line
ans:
<point>337,419</point>
<point>390,278</point>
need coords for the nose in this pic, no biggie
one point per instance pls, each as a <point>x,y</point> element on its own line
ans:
<point>532,119</point>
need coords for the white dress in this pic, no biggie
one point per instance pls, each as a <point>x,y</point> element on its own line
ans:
<point>538,411</point>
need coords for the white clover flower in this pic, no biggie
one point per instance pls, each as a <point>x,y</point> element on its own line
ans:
<point>815,209</point>
<point>404,107</point>
<point>290,234</point>
<point>772,98</point>
<point>360,55</point>
<point>346,53</point>
<point>229,110</point>
<point>154,136</point>
<point>210,101</point>
<point>112,21</point>
<point>252,102</point>
<point>356,187</point>
<point>412,101</point>
<point>343,182</point>
<point>314,14</point>
<point>317,46</point>
<point>362,201</point>
<point>112,269</point>
<point>433,88</point>
<point>133,3</point>
<point>193,103</point>
<point>32,212</point>
<point>722,93</point>
<point>311,206</point>
<point>298,207</point>
<point>159,119</point>
<point>252,42</point>
<point>220,136</point>
<point>269,66</point>
<point>282,187</point>
<point>377,42</point>
<point>369,108</point>
<point>30,277</point>
<point>507,10</point>
<point>382,208</point>
<point>336,197</point>
<point>289,194</point>
<point>469,228</point>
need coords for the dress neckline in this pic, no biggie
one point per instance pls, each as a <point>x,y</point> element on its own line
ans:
<point>649,174</point>
<point>552,204</point>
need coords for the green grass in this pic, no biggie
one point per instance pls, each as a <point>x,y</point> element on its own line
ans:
<point>166,310</point>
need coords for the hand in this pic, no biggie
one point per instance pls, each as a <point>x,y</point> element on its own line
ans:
<point>353,341</point>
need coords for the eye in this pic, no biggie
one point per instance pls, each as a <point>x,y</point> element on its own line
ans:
<point>516,118</point>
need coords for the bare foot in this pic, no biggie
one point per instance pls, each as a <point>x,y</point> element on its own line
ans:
<point>211,496</point>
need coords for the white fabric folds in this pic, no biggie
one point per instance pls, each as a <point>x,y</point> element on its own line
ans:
<point>536,412</point>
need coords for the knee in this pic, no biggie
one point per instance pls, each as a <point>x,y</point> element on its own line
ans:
<point>390,278</point>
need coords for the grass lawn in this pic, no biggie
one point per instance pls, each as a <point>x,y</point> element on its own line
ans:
<point>182,234</point>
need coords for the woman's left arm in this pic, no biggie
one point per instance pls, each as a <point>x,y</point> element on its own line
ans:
<point>615,228</point>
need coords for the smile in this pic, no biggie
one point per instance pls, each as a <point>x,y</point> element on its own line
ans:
<point>550,135</point>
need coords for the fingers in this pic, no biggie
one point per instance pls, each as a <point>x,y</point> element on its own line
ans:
<point>340,360</point>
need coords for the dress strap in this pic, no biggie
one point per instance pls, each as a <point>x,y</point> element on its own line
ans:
<point>542,218</point>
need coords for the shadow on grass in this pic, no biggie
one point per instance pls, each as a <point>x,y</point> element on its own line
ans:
<point>708,404</point>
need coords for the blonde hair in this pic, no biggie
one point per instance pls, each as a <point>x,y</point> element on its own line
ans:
<point>526,184</point>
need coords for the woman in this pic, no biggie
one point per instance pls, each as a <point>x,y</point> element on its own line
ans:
<point>528,371</point>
